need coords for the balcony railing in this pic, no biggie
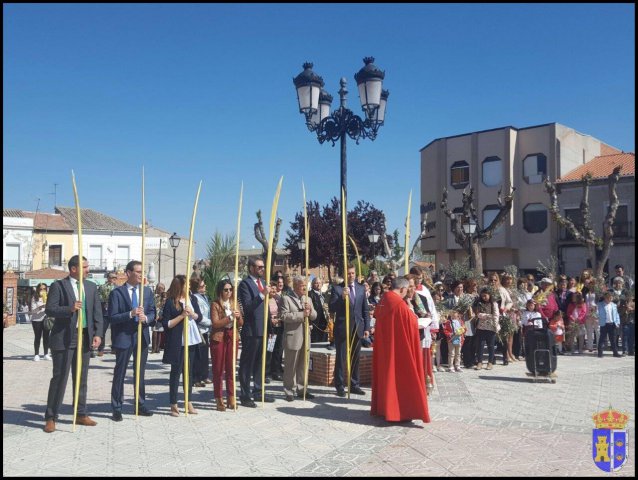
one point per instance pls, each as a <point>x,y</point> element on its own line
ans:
<point>624,230</point>
<point>621,230</point>
<point>15,265</point>
<point>97,264</point>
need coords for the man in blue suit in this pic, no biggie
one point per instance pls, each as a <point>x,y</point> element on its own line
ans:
<point>251,294</point>
<point>359,329</point>
<point>124,312</point>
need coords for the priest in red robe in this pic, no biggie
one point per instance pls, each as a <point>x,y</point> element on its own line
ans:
<point>398,380</point>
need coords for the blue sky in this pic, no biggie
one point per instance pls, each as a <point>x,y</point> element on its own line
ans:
<point>204,92</point>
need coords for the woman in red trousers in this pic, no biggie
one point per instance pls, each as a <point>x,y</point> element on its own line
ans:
<point>221,342</point>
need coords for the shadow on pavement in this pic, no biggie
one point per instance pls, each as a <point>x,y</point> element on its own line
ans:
<point>507,379</point>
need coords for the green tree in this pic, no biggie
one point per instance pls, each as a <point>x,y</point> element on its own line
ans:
<point>220,261</point>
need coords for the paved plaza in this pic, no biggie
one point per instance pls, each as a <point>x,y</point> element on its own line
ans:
<point>484,423</point>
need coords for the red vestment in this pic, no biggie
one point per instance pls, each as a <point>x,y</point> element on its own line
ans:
<point>398,381</point>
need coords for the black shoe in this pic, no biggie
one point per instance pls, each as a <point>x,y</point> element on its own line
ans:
<point>247,402</point>
<point>267,398</point>
<point>357,391</point>
<point>617,355</point>
<point>267,380</point>
<point>276,376</point>
<point>341,392</point>
<point>93,354</point>
<point>308,395</point>
<point>117,416</point>
<point>289,398</point>
<point>506,363</point>
<point>600,355</point>
<point>330,347</point>
<point>144,412</point>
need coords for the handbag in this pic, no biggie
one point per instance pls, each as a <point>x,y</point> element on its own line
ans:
<point>48,322</point>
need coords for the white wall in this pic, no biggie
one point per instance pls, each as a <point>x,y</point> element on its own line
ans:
<point>109,243</point>
<point>18,231</point>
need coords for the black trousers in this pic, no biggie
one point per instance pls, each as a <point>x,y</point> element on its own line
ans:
<point>200,367</point>
<point>250,366</point>
<point>177,369</point>
<point>63,362</point>
<point>107,322</point>
<point>40,332</point>
<point>122,357</point>
<point>274,359</point>
<point>340,373</point>
<point>488,337</point>
<point>468,351</point>
<point>608,330</point>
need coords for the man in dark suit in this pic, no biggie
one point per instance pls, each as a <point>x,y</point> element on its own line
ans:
<point>359,328</point>
<point>63,303</point>
<point>320,331</point>
<point>252,292</point>
<point>124,313</point>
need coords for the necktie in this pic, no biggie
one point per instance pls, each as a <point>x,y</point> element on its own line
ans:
<point>260,287</point>
<point>352,293</point>
<point>77,283</point>
<point>134,301</point>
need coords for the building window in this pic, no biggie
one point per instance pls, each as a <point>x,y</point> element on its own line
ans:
<point>12,256</point>
<point>576,217</point>
<point>95,257</point>
<point>622,225</point>
<point>489,214</point>
<point>535,218</point>
<point>492,171</point>
<point>122,256</point>
<point>460,174</point>
<point>279,261</point>
<point>55,255</point>
<point>535,168</point>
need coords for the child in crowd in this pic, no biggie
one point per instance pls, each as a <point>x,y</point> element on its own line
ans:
<point>530,316</point>
<point>557,326</point>
<point>454,331</point>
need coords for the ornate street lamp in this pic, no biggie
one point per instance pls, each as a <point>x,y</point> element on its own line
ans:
<point>315,103</point>
<point>174,241</point>
<point>374,238</point>
<point>469,228</point>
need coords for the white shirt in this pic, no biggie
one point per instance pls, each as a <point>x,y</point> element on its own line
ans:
<point>423,290</point>
<point>610,318</point>
<point>257,284</point>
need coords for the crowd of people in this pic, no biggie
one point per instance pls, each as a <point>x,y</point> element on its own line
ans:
<point>447,324</point>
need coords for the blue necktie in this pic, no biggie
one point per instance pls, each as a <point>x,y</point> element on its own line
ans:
<point>352,293</point>
<point>134,302</point>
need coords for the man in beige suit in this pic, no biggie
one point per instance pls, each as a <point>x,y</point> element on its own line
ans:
<point>296,309</point>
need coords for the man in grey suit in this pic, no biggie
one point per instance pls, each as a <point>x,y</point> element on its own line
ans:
<point>296,310</point>
<point>63,303</point>
<point>359,329</point>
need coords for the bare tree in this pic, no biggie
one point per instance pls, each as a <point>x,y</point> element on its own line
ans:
<point>598,247</point>
<point>480,235</point>
<point>394,262</point>
<point>263,239</point>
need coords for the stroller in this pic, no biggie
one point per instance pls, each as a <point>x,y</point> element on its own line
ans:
<point>540,351</point>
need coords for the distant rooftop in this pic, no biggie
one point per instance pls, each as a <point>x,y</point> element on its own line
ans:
<point>602,166</point>
<point>92,220</point>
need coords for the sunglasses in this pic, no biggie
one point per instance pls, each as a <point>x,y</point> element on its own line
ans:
<point>228,289</point>
<point>259,267</point>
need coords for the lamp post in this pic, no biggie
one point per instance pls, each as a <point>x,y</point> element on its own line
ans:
<point>469,228</point>
<point>174,241</point>
<point>374,238</point>
<point>314,103</point>
<point>301,245</point>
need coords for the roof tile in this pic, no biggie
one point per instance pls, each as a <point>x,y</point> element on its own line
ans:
<point>92,220</point>
<point>602,166</point>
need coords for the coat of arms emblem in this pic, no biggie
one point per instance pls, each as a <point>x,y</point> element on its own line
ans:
<point>609,440</point>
